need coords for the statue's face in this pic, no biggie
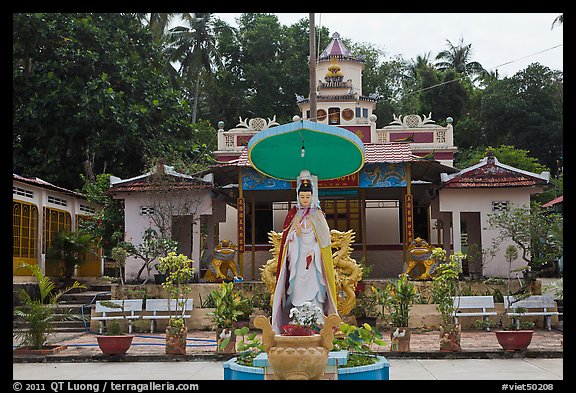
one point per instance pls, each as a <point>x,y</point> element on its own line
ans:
<point>305,198</point>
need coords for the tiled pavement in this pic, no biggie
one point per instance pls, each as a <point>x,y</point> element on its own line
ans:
<point>201,346</point>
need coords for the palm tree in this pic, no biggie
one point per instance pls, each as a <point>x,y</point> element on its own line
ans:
<point>458,58</point>
<point>158,24</point>
<point>420,63</point>
<point>194,47</point>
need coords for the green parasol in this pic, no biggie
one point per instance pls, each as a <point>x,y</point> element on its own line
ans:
<point>328,152</point>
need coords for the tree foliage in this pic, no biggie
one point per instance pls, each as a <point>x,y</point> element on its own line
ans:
<point>534,231</point>
<point>94,92</point>
<point>88,88</point>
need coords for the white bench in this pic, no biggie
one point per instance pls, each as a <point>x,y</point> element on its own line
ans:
<point>159,309</point>
<point>474,306</point>
<point>535,305</point>
<point>131,308</point>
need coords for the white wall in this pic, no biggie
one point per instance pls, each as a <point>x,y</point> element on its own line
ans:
<point>136,224</point>
<point>480,200</point>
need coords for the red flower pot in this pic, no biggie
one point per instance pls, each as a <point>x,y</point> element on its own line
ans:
<point>514,340</point>
<point>114,345</point>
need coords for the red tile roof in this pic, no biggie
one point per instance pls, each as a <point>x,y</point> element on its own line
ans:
<point>169,179</point>
<point>489,173</point>
<point>36,181</point>
<point>148,185</point>
<point>554,201</point>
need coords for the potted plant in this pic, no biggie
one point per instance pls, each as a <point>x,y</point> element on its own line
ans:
<point>224,315</point>
<point>304,321</point>
<point>178,269</point>
<point>359,342</point>
<point>518,334</point>
<point>365,271</point>
<point>245,306</point>
<point>249,345</point>
<point>396,300</point>
<point>445,286</point>
<point>365,309</point>
<point>114,341</point>
<point>38,314</point>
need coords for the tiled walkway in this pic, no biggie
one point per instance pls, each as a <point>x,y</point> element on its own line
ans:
<point>202,343</point>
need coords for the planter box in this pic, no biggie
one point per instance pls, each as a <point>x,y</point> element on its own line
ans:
<point>371,372</point>
<point>377,371</point>
<point>48,350</point>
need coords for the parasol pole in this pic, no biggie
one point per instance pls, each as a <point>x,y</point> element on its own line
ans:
<point>313,110</point>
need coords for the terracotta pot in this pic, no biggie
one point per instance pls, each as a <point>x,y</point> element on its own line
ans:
<point>400,339</point>
<point>115,345</point>
<point>176,341</point>
<point>514,340</point>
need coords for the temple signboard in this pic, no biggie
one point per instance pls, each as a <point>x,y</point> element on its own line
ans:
<point>380,175</point>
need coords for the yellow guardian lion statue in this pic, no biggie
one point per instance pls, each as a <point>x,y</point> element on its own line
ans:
<point>224,261</point>
<point>421,265</point>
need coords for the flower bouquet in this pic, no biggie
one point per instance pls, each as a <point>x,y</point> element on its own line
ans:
<point>305,321</point>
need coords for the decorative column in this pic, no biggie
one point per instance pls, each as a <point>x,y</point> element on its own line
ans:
<point>253,224</point>
<point>408,213</point>
<point>363,221</point>
<point>240,210</point>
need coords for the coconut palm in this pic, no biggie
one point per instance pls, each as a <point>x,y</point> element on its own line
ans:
<point>158,24</point>
<point>458,58</point>
<point>193,46</point>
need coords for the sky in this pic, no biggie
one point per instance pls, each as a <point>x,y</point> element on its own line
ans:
<point>507,42</point>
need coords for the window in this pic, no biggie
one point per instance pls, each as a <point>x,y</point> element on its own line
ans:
<point>87,209</point>
<point>57,201</point>
<point>24,230</point>
<point>22,192</point>
<point>333,116</point>
<point>320,115</point>
<point>146,210</point>
<point>500,206</point>
<point>55,221</point>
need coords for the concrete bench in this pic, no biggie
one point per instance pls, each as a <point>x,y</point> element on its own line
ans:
<point>160,310</point>
<point>132,310</point>
<point>535,305</point>
<point>474,306</point>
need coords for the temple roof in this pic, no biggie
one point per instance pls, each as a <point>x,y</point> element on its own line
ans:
<point>337,49</point>
<point>392,152</point>
<point>490,173</point>
<point>151,181</point>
